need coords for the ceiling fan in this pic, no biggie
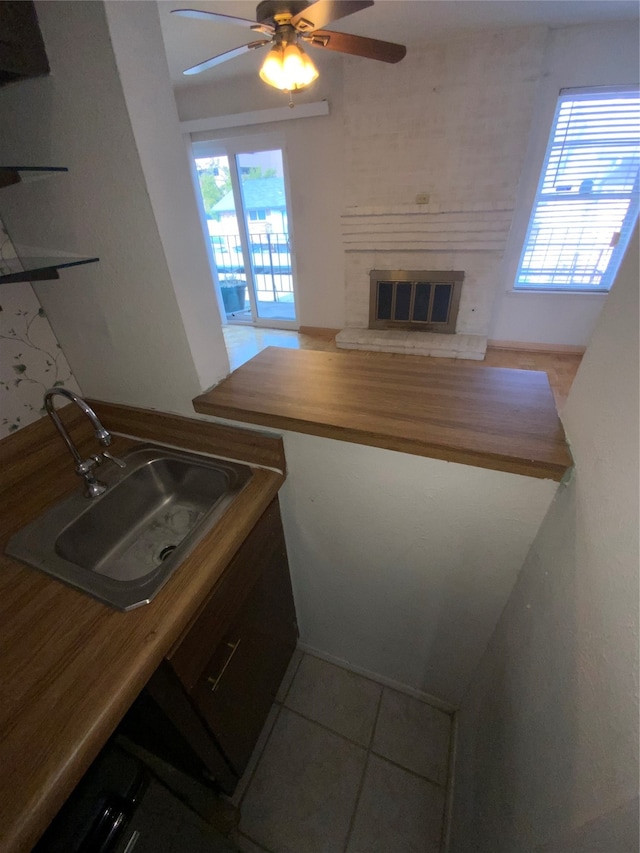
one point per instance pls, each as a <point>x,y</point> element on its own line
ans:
<point>287,23</point>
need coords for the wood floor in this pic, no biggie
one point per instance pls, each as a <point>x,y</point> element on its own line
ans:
<point>243,342</point>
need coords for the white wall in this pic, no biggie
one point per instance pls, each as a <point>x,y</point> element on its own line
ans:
<point>548,732</point>
<point>118,321</point>
<point>594,55</point>
<point>401,565</point>
<point>450,120</point>
<point>466,121</point>
<point>314,159</point>
<point>137,42</point>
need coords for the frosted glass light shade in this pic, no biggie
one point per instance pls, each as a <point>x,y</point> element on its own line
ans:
<point>288,68</point>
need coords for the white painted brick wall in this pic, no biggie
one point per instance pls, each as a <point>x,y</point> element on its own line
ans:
<point>451,120</point>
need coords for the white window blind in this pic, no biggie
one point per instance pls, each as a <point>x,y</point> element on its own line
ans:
<point>587,200</point>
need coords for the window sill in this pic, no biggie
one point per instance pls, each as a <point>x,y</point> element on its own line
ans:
<point>521,291</point>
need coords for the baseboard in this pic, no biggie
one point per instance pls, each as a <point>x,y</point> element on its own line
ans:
<point>441,704</point>
<point>566,349</point>
<point>318,331</point>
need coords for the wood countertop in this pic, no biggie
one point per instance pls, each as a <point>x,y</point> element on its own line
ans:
<point>70,666</point>
<point>490,417</point>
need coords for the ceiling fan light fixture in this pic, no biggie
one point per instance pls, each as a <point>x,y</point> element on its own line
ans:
<point>288,68</point>
<point>271,70</point>
<point>282,22</point>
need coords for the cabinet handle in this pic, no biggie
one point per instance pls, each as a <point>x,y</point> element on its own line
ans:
<point>214,682</point>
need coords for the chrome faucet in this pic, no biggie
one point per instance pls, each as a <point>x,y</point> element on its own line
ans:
<point>84,468</point>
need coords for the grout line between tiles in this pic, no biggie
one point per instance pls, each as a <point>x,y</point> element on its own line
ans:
<point>369,748</point>
<point>259,758</point>
<point>364,773</point>
<point>257,843</point>
<point>292,679</point>
<point>280,706</point>
<point>386,684</point>
<point>361,746</point>
<point>326,728</point>
<point>447,819</point>
<point>408,770</point>
<point>375,721</point>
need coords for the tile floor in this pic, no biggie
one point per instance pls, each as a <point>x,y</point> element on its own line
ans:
<point>345,765</point>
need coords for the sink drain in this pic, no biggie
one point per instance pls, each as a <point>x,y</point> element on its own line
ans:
<point>166,552</point>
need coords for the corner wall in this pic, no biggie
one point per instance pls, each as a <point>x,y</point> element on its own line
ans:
<point>137,42</point>
<point>118,321</point>
<point>401,564</point>
<point>547,756</point>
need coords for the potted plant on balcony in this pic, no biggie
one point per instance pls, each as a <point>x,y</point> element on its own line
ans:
<point>233,294</point>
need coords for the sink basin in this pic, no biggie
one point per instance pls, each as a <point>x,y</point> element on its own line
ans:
<point>123,546</point>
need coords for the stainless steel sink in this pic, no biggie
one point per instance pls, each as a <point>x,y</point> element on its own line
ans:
<point>123,546</point>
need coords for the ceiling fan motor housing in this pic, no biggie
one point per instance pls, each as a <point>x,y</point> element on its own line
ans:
<point>267,10</point>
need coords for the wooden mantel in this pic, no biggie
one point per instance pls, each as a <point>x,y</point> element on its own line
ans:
<point>489,417</point>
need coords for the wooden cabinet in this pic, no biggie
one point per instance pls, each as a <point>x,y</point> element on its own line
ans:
<point>216,686</point>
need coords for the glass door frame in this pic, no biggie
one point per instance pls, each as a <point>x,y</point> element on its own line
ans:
<point>230,148</point>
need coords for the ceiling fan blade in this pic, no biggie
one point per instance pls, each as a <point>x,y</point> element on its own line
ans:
<point>385,51</point>
<point>323,12</point>
<point>223,57</point>
<point>223,19</point>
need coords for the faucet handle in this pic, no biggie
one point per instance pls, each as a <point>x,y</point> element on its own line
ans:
<point>83,468</point>
<point>115,459</point>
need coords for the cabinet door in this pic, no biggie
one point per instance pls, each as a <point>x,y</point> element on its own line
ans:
<point>219,681</point>
<point>163,721</point>
<point>238,685</point>
<point>263,547</point>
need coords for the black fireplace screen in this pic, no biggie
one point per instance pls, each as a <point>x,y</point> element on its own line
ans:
<point>415,299</point>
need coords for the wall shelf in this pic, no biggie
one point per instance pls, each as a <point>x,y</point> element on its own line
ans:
<point>38,269</point>
<point>23,174</point>
<point>28,267</point>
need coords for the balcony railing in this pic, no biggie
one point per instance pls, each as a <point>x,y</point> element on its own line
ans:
<point>270,261</point>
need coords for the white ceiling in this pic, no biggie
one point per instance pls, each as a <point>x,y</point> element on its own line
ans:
<point>408,22</point>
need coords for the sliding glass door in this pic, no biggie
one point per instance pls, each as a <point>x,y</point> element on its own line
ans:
<point>245,201</point>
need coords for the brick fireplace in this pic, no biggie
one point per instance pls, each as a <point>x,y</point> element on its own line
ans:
<point>434,152</point>
<point>461,236</point>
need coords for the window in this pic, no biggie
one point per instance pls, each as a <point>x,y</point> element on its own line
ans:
<point>244,197</point>
<point>586,204</point>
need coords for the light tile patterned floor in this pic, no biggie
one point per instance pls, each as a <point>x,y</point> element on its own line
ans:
<point>243,342</point>
<point>345,765</point>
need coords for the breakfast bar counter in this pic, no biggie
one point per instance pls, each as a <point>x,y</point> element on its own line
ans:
<point>490,417</point>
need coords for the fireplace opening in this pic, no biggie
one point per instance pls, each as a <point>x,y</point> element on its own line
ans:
<point>418,300</point>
